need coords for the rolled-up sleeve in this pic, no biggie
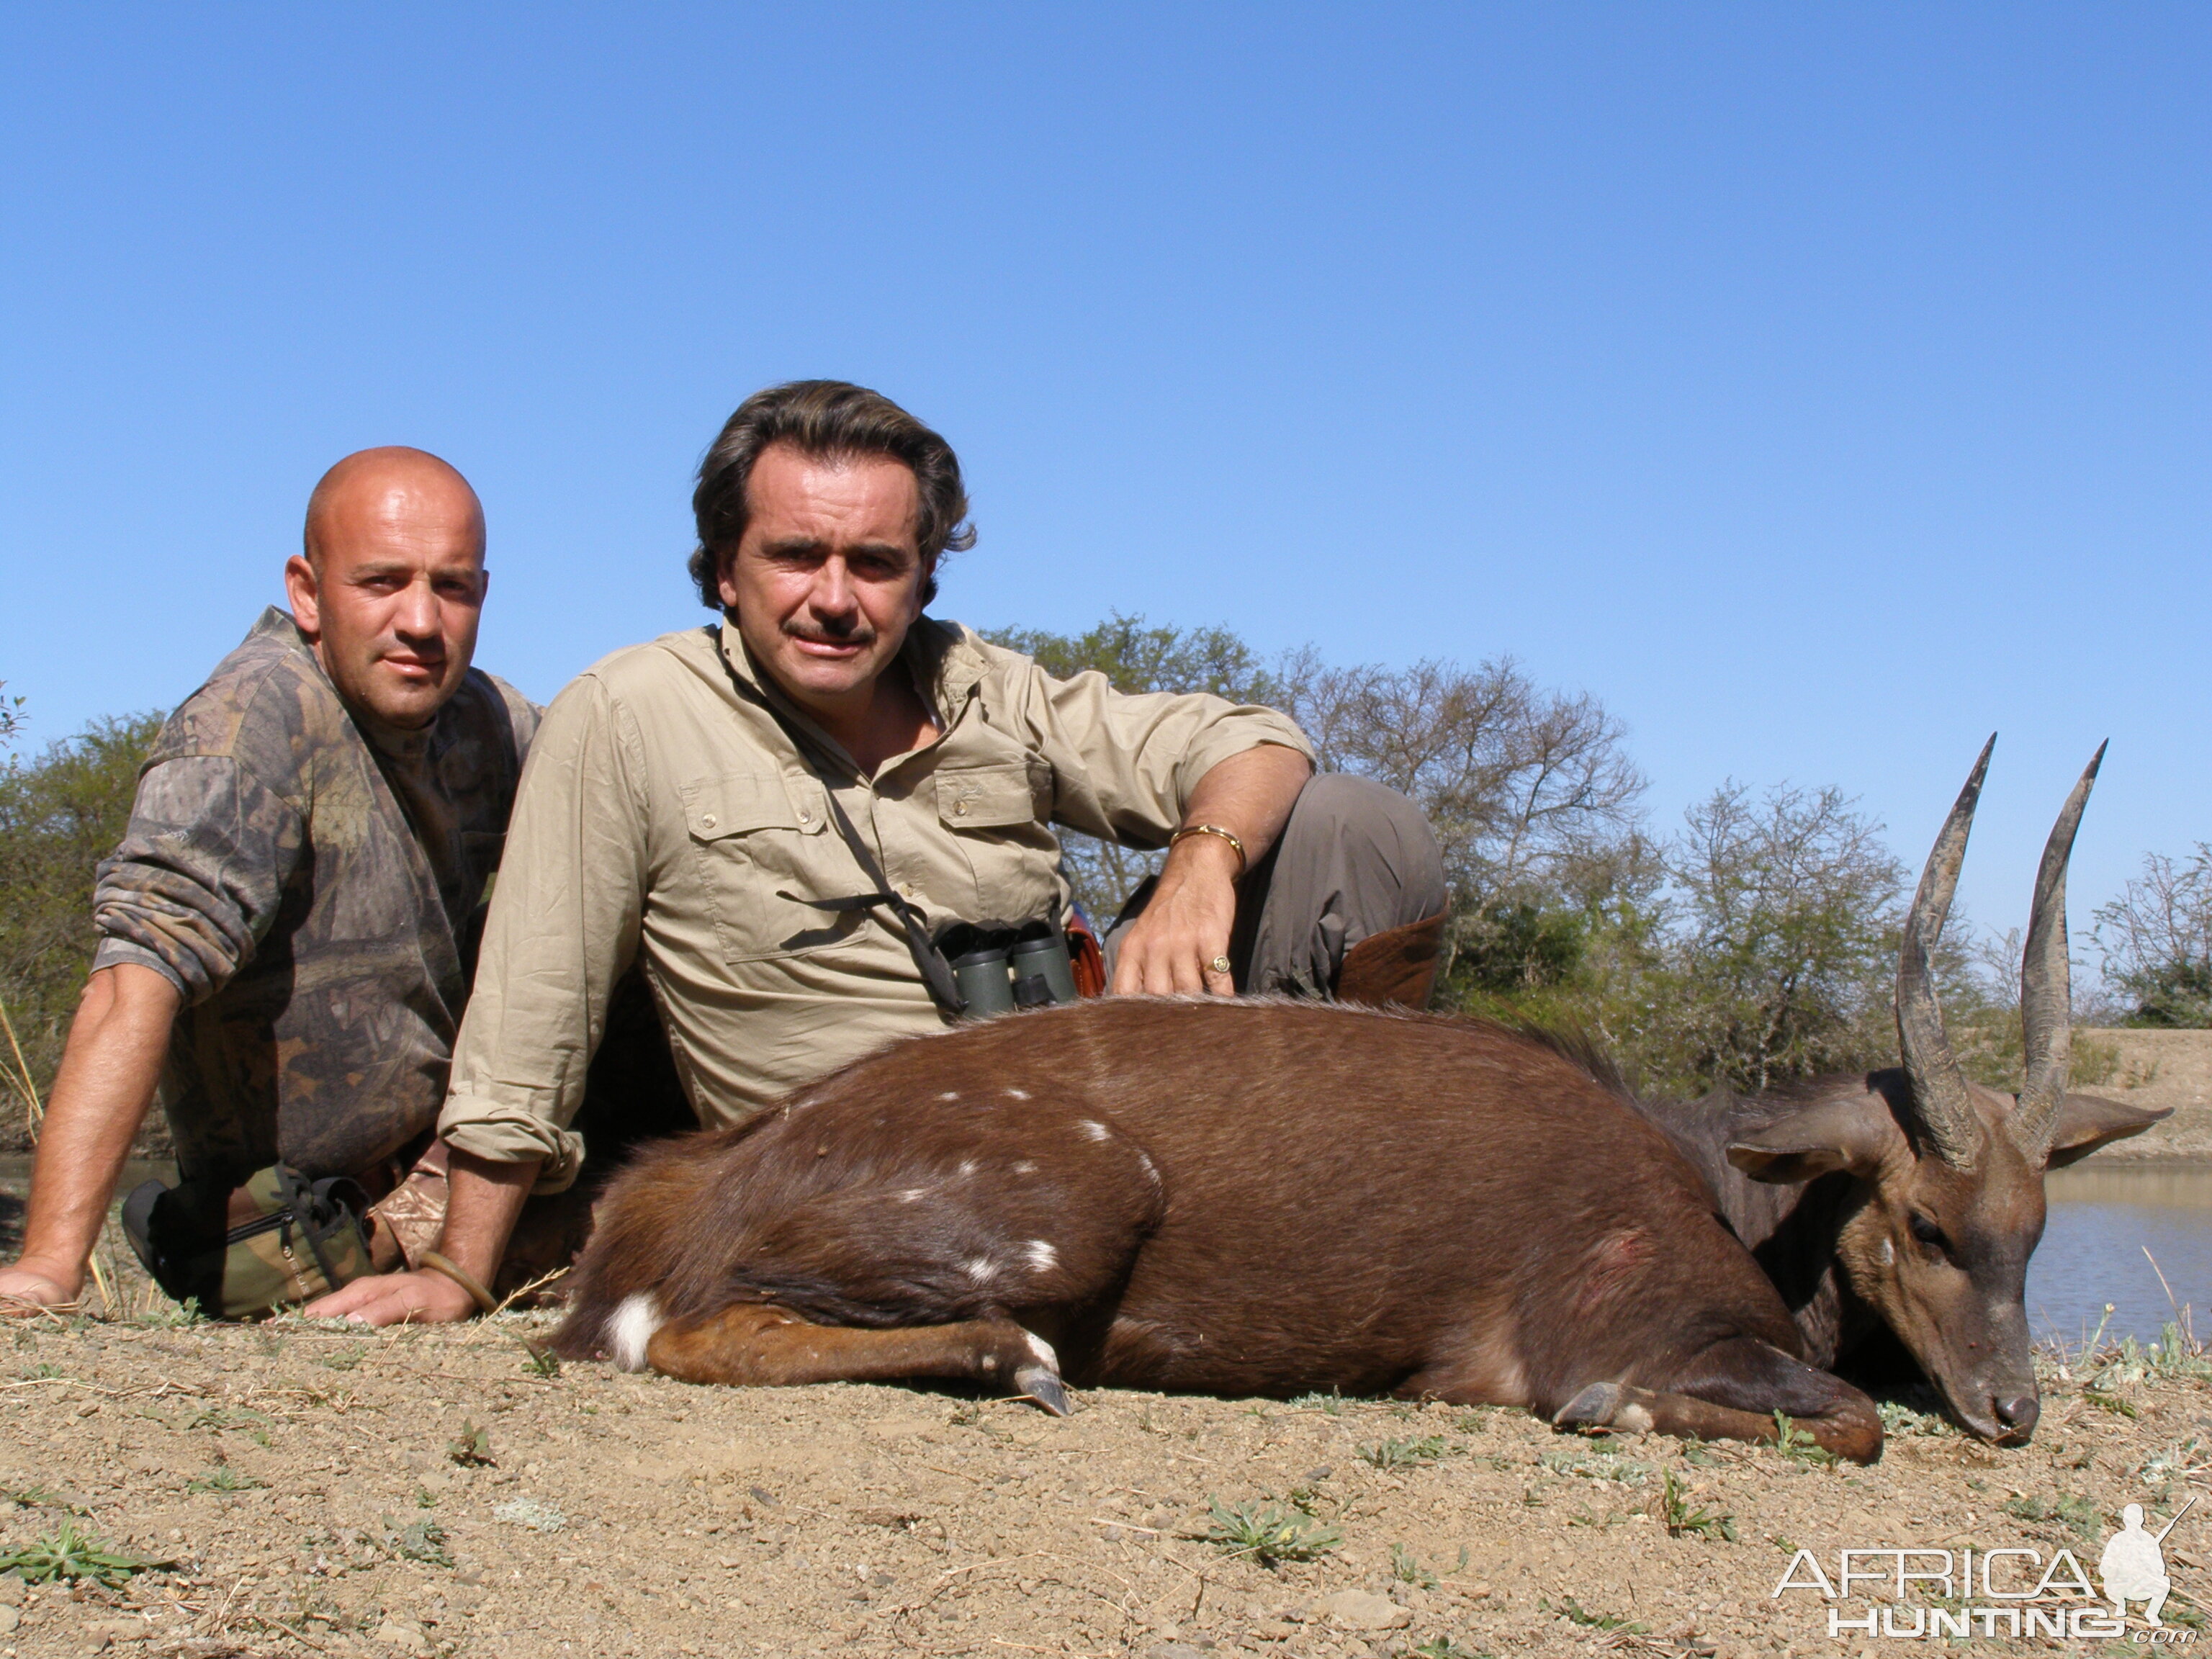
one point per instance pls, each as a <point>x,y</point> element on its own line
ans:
<point>195,884</point>
<point>563,929</point>
<point>1123,766</point>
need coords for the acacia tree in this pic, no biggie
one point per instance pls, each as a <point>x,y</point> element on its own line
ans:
<point>1530,792</point>
<point>1512,776</point>
<point>1790,913</point>
<point>2157,940</point>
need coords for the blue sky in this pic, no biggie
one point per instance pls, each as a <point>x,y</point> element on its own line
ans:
<point>1823,387</point>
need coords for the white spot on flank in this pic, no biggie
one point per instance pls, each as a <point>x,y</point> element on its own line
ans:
<point>1025,1167</point>
<point>967,1166</point>
<point>630,1327</point>
<point>1094,1128</point>
<point>981,1269</point>
<point>1152,1169</point>
<point>950,1094</point>
<point>1018,1094</point>
<point>1042,1257</point>
<point>911,1195</point>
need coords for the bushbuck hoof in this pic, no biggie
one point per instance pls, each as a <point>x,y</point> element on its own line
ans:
<point>1592,1409</point>
<point>1041,1384</point>
<point>1605,1405</point>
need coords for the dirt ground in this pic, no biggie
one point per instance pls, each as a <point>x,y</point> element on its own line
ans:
<point>316,1489</point>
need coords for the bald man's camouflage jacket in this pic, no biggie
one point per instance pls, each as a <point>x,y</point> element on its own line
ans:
<point>305,877</point>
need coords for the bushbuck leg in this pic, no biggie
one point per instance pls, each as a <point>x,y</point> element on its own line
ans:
<point>1731,1392</point>
<point>750,1344</point>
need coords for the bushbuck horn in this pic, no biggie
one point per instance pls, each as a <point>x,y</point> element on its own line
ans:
<point>1939,1087</point>
<point>2046,987</point>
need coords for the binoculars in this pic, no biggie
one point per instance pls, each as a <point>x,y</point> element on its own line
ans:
<point>1001,970</point>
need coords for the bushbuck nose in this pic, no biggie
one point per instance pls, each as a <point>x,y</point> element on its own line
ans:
<point>2018,1413</point>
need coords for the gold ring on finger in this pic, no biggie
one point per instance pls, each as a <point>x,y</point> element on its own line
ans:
<point>1219,965</point>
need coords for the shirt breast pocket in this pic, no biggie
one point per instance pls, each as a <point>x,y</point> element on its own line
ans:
<point>753,842</point>
<point>993,814</point>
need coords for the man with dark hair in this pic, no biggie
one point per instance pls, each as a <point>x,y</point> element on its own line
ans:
<point>826,419</point>
<point>777,816</point>
<point>281,928</point>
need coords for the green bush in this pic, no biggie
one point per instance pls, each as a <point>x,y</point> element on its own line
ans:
<point>60,814</point>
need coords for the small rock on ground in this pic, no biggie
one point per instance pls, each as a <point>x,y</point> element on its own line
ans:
<point>1358,1609</point>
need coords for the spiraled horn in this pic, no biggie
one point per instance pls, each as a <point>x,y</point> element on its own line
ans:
<point>2045,982</point>
<point>1940,1101</point>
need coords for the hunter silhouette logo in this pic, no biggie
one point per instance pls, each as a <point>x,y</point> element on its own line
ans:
<point>1912,1593</point>
<point>2133,1565</point>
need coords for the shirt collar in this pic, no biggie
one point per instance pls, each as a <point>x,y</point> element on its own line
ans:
<point>277,622</point>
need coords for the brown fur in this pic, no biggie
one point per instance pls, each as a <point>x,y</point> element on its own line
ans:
<point>1241,1198</point>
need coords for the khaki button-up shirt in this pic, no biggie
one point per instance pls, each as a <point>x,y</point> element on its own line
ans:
<point>667,813</point>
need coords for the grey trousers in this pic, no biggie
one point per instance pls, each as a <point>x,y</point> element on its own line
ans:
<point>1355,859</point>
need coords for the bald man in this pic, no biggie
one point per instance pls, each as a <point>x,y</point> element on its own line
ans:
<point>283,929</point>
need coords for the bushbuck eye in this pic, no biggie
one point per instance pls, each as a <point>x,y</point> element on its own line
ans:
<point>1927,1232</point>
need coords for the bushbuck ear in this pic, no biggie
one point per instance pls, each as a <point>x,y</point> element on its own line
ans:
<point>1836,1134</point>
<point>2088,1121</point>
